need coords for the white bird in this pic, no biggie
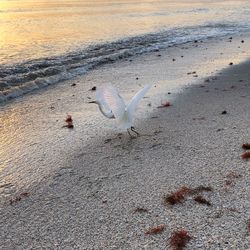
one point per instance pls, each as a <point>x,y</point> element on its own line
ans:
<point>112,105</point>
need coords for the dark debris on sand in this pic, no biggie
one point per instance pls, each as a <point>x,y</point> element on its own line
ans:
<point>231,178</point>
<point>181,194</point>
<point>245,155</point>
<point>155,230</point>
<point>201,200</point>
<point>246,146</point>
<point>179,239</point>
<point>140,210</point>
<point>248,225</point>
<point>164,105</point>
<point>177,196</point>
<point>69,122</point>
<point>19,197</point>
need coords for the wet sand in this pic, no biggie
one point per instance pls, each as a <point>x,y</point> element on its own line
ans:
<point>81,188</point>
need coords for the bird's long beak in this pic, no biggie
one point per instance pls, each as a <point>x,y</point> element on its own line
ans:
<point>93,102</point>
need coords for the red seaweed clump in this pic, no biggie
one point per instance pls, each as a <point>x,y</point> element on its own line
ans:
<point>68,118</point>
<point>201,200</point>
<point>178,196</point>
<point>181,194</point>
<point>69,122</point>
<point>246,146</point>
<point>164,105</point>
<point>155,230</point>
<point>246,155</point>
<point>179,239</point>
<point>201,188</point>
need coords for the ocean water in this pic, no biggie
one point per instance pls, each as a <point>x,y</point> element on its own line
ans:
<point>43,42</point>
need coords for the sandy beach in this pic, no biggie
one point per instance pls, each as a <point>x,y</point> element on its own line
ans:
<point>93,187</point>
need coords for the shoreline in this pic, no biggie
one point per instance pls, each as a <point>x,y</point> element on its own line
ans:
<point>84,188</point>
<point>10,89</point>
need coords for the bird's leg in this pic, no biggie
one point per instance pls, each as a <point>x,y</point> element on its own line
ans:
<point>133,129</point>
<point>131,136</point>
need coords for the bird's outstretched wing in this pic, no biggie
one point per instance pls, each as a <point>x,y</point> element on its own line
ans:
<point>133,104</point>
<point>110,98</point>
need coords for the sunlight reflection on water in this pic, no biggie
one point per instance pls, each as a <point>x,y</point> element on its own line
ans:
<point>34,29</point>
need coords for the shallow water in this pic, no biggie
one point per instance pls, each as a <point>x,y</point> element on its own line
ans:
<point>35,29</point>
<point>44,42</point>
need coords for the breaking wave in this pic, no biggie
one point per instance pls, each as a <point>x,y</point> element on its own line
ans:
<point>18,79</point>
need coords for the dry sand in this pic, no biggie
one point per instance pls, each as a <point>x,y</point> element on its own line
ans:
<point>83,185</point>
